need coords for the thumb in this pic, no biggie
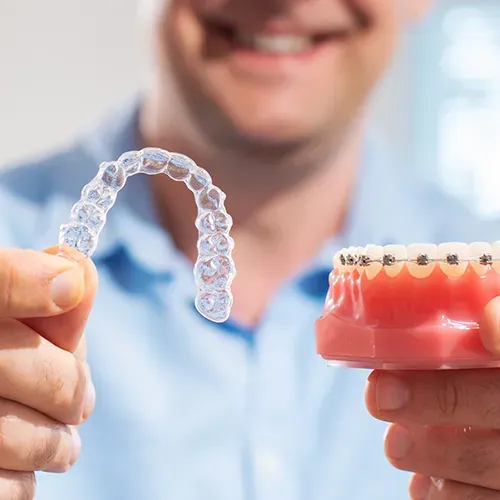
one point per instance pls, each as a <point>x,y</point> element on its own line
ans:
<point>66,330</point>
<point>490,327</point>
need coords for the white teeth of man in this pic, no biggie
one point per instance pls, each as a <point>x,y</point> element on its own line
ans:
<point>279,44</point>
<point>420,259</point>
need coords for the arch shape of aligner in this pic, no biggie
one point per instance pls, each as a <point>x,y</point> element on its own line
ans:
<point>214,269</point>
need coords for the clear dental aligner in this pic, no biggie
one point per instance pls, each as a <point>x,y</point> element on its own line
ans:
<point>420,259</point>
<point>214,270</point>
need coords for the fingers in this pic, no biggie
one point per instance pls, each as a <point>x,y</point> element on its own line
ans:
<point>461,454</point>
<point>30,441</point>
<point>17,485</point>
<point>35,284</point>
<point>456,398</point>
<point>424,488</point>
<point>41,376</point>
<point>490,327</point>
<point>66,330</point>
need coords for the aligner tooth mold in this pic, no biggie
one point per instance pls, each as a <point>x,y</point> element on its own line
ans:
<point>214,269</point>
<point>415,307</point>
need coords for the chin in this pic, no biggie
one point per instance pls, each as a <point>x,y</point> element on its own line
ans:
<point>272,129</point>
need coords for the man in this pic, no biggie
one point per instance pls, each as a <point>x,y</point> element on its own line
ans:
<point>268,96</point>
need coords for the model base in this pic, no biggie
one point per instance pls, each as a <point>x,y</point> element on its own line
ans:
<point>434,346</point>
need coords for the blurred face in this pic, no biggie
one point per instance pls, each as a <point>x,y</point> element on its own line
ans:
<point>275,71</point>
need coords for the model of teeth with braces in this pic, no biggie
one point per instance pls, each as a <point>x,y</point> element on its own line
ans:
<point>410,307</point>
<point>452,258</point>
<point>214,269</point>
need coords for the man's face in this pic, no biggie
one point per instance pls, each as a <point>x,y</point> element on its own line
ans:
<point>276,71</point>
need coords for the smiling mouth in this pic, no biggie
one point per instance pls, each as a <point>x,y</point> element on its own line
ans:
<point>270,43</point>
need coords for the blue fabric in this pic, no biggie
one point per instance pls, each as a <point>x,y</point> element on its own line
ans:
<point>188,409</point>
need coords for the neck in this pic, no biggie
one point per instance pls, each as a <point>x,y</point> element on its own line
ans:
<point>279,225</point>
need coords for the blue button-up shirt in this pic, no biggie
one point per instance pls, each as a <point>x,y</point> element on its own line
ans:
<point>192,410</point>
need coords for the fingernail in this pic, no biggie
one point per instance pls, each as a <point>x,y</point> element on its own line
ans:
<point>420,488</point>
<point>390,393</point>
<point>398,442</point>
<point>67,288</point>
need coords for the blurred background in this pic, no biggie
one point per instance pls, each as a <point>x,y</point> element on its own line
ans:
<point>65,64</point>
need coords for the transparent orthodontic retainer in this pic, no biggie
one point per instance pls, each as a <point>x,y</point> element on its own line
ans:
<point>214,269</point>
<point>409,308</point>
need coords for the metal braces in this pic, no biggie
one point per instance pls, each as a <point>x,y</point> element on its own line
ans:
<point>389,260</point>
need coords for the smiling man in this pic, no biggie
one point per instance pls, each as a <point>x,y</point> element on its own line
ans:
<point>269,97</point>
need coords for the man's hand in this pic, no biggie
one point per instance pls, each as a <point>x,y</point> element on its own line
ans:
<point>446,424</point>
<point>45,387</point>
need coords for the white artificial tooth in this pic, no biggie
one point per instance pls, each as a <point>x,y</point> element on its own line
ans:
<point>351,259</point>
<point>337,264</point>
<point>360,253</point>
<point>453,258</point>
<point>495,253</point>
<point>342,257</point>
<point>374,252</point>
<point>480,254</point>
<point>400,254</point>
<point>425,255</point>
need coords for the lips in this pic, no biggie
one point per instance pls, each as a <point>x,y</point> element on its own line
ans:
<point>278,40</point>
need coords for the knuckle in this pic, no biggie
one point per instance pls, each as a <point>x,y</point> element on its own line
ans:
<point>472,493</point>
<point>43,451</point>
<point>447,395</point>
<point>64,382</point>
<point>478,459</point>
<point>35,448</point>
<point>17,485</point>
<point>27,485</point>
<point>487,402</point>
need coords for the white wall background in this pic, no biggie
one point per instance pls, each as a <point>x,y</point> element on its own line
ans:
<point>65,63</point>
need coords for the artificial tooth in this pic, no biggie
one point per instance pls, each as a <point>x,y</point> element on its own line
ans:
<point>424,256</point>
<point>342,261</point>
<point>453,258</point>
<point>373,253</point>
<point>392,254</point>
<point>361,260</point>
<point>480,254</point>
<point>350,259</point>
<point>495,253</point>
<point>336,261</point>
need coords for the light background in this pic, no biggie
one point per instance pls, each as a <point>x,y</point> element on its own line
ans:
<point>64,64</point>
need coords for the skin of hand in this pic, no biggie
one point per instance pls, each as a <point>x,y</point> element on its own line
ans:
<point>445,425</point>
<point>45,385</point>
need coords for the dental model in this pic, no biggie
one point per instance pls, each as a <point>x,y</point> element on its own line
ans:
<point>415,307</point>
<point>214,270</point>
